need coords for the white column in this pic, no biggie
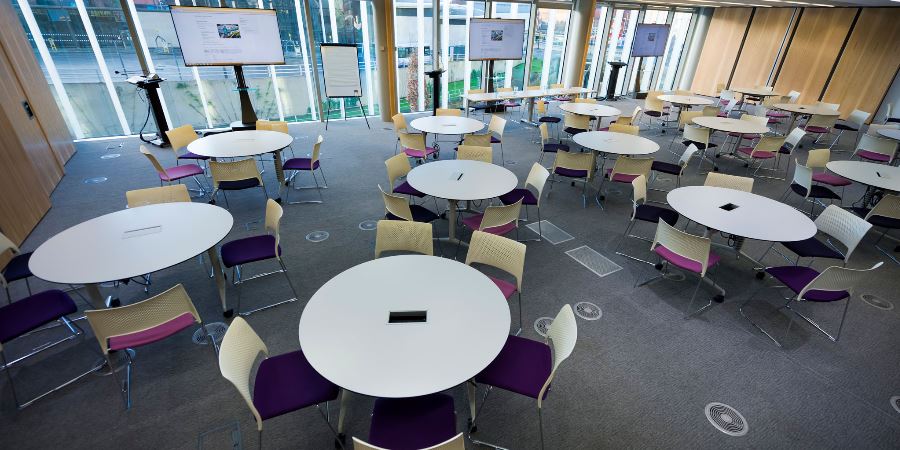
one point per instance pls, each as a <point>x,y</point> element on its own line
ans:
<point>142,43</point>
<point>367,54</point>
<point>420,53</point>
<point>548,48</point>
<point>305,56</point>
<point>598,46</point>
<point>470,9</point>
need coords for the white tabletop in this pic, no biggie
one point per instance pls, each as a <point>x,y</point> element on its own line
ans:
<point>881,176</point>
<point>814,110</point>
<point>731,125</point>
<point>236,144</point>
<point>479,180</point>
<point>693,100</point>
<point>616,143</point>
<point>590,109</point>
<point>494,96</point>
<point>890,133</point>
<point>756,91</point>
<point>447,125</point>
<point>130,243</point>
<point>756,217</point>
<point>345,334</point>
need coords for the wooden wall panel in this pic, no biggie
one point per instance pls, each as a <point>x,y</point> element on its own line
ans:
<point>813,51</point>
<point>761,48</point>
<point>720,49</point>
<point>869,62</point>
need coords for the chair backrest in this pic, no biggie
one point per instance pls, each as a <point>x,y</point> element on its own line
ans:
<point>173,193</point>
<point>888,206</point>
<point>686,245</point>
<point>504,89</point>
<point>156,165</point>
<point>834,106</point>
<point>724,180</point>
<point>632,166</point>
<point>451,112</point>
<point>499,252</point>
<point>496,216</point>
<point>858,117</point>
<point>872,130</point>
<point>629,120</point>
<point>562,334</point>
<point>794,137</point>
<point>398,235</point>
<point>726,109</point>
<point>654,94</point>
<point>696,133</point>
<point>478,140</point>
<point>180,137</point>
<point>575,161</point>
<point>759,120</point>
<point>844,226</point>
<point>653,104</point>
<point>821,121</point>
<point>816,159</point>
<point>687,117</point>
<point>414,141</point>
<point>272,125</point>
<point>397,166</point>
<point>621,128</point>
<point>592,101</point>
<point>725,94</point>
<point>396,205</point>
<point>557,86</point>
<point>274,213</point>
<point>836,279</point>
<point>317,147</point>
<point>6,244</point>
<point>686,156</point>
<point>476,91</point>
<point>537,179</point>
<point>399,122</point>
<point>545,133</point>
<point>497,125</point>
<point>793,96</point>
<point>242,169</point>
<point>683,92</point>
<point>768,144</point>
<point>876,144</point>
<point>576,121</point>
<point>638,193</point>
<point>710,111</point>
<point>475,153</point>
<point>533,88</point>
<point>457,442</point>
<point>802,177</point>
<point>238,351</point>
<point>124,323</point>
<point>540,106</point>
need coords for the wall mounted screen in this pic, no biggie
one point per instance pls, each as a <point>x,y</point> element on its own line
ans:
<point>227,36</point>
<point>496,39</point>
<point>649,40</point>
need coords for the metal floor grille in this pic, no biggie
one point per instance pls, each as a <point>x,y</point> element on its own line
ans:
<point>594,261</point>
<point>552,233</point>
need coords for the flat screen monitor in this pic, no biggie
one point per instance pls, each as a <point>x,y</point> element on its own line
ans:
<point>496,39</point>
<point>649,40</point>
<point>227,36</point>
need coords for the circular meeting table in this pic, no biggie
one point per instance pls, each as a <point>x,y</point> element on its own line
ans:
<point>591,109</point>
<point>376,331</point>
<point>611,143</point>
<point>798,110</point>
<point>131,243</point>
<point>686,101</point>
<point>755,92</point>
<point>728,125</point>
<point>890,133</point>
<point>243,144</point>
<point>446,125</point>
<point>461,180</point>
<point>875,176</point>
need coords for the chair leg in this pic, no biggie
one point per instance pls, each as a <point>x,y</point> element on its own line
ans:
<point>519,331</point>
<point>541,426</point>
<point>758,327</point>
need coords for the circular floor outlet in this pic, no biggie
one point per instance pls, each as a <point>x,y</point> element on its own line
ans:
<point>95,180</point>
<point>510,163</point>
<point>726,419</point>
<point>216,330</point>
<point>588,311</point>
<point>878,302</point>
<point>542,325</point>
<point>317,236</point>
<point>895,402</point>
<point>368,225</point>
<point>110,156</point>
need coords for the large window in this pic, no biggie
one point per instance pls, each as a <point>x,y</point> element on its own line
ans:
<point>550,30</point>
<point>681,23</point>
<point>511,73</point>
<point>647,64</point>
<point>461,74</point>
<point>592,61</point>
<point>618,45</point>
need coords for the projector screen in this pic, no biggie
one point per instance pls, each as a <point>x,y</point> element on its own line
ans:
<point>227,36</point>
<point>649,40</point>
<point>496,39</point>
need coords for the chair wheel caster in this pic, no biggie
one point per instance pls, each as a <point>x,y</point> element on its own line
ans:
<point>115,302</point>
<point>897,248</point>
<point>470,427</point>
<point>746,165</point>
<point>602,197</point>
<point>658,266</point>
<point>278,200</point>
<point>287,183</point>
<point>718,155</point>
<point>572,184</point>
<point>719,298</point>
<point>340,441</point>
<point>715,168</point>
<point>760,275</point>
<point>228,314</point>
<point>211,202</point>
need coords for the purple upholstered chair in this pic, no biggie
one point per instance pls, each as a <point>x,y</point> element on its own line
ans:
<point>411,423</point>
<point>310,165</point>
<point>177,173</point>
<point>835,222</point>
<point>531,193</point>
<point>17,267</point>
<point>808,285</point>
<point>283,383</point>
<point>20,318</point>
<point>642,212</point>
<point>527,367</point>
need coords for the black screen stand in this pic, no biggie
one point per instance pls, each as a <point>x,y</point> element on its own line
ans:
<point>435,76</point>
<point>248,115</point>
<point>615,66</point>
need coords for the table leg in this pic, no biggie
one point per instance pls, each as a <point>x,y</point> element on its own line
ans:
<point>452,217</point>
<point>530,119</point>
<point>94,295</point>
<point>220,279</point>
<point>279,173</point>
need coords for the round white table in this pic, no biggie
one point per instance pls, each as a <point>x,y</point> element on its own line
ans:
<point>455,180</point>
<point>131,243</point>
<point>756,92</point>
<point>686,100</point>
<point>616,143</point>
<point>874,176</point>
<point>591,109</point>
<point>447,125</point>
<point>797,110</point>
<point>346,335</point>
<point>246,143</point>
<point>890,133</point>
<point>727,125</point>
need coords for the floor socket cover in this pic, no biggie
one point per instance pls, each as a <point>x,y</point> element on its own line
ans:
<point>877,302</point>
<point>551,233</point>
<point>895,402</point>
<point>588,311</point>
<point>594,261</point>
<point>95,180</point>
<point>726,419</point>
<point>317,236</point>
<point>542,325</point>
<point>216,330</point>
<point>368,225</point>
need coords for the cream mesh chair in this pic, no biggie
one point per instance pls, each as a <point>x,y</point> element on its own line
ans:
<point>448,112</point>
<point>820,125</point>
<point>685,119</point>
<point>515,368</point>
<point>762,121</point>
<point>875,149</point>
<point>142,323</point>
<point>813,193</point>
<point>495,128</point>
<point>818,159</point>
<point>311,165</point>
<point>473,153</point>
<point>233,176</point>
<point>274,125</point>
<point>413,145</point>
<point>457,442</point>
<point>179,138</point>
<point>177,173</point>
<point>625,170</point>
<point>508,104</point>
<point>630,120</point>
<point>151,196</point>
<point>477,140</point>
<point>729,181</point>
<point>239,252</point>
<point>397,208</point>
<point>398,167</point>
<point>621,128</point>
<point>766,149</point>
<point>546,145</point>
<point>476,106</point>
<point>709,111</point>
<point>643,212</point>
<point>855,121</point>
<point>809,286</point>
<point>17,267</point>
<point>397,235</point>
<point>399,126</point>
<point>678,168</point>
<point>497,220</point>
<point>277,381</point>
<point>790,144</point>
<point>699,137</point>
<point>579,166</point>
<point>531,193</point>
<point>886,215</point>
<point>835,222</point>
<point>544,118</point>
<point>504,254</point>
<point>654,108</point>
<point>726,97</point>
<point>575,123</point>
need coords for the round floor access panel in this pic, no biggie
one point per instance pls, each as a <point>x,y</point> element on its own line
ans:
<point>317,236</point>
<point>542,325</point>
<point>895,402</point>
<point>877,302</point>
<point>94,180</point>
<point>368,225</point>
<point>111,156</point>
<point>588,311</point>
<point>726,419</point>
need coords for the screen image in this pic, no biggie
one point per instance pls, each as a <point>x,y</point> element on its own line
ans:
<point>227,36</point>
<point>496,39</point>
<point>650,40</point>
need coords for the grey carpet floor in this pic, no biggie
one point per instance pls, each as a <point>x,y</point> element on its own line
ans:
<point>640,376</point>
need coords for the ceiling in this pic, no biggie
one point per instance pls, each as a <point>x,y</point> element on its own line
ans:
<point>773,3</point>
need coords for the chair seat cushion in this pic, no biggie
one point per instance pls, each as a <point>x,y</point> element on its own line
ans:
<point>248,250</point>
<point>300,164</point>
<point>777,114</point>
<point>413,153</point>
<point>873,156</point>
<point>510,104</point>
<point>816,191</point>
<point>179,172</point>
<point>845,127</point>
<point>796,278</point>
<point>522,366</point>
<point>151,335</point>
<point>762,154</point>
<point>621,177</point>
<point>878,221</point>
<point>655,113</point>
<point>652,213</point>
<point>405,188</point>
<point>239,184</point>
<point>571,173</point>
<point>474,223</point>
<point>189,155</point>
<point>685,263</point>
<point>745,136</point>
<point>699,145</point>
<point>517,194</point>
<point>412,423</point>
<point>286,383</point>
<point>550,119</point>
<point>666,167</point>
<point>785,149</point>
<point>812,248</point>
<point>506,287</point>
<point>17,268</point>
<point>815,129</point>
<point>573,130</point>
<point>26,314</point>
<point>494,140</point>
<point>553,148</point>
<point>831,179</point>
<point>774,120</point>
<point>419,214</point>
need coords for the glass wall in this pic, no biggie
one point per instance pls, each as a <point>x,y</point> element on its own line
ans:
<point>413,28</point>
<point>511,73</point>
<point>592,60</point>
<point>550,31</point>
<point>461,74</point>
<point>648,64</point>
<point>618,45</point>
<point>681,24</point>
